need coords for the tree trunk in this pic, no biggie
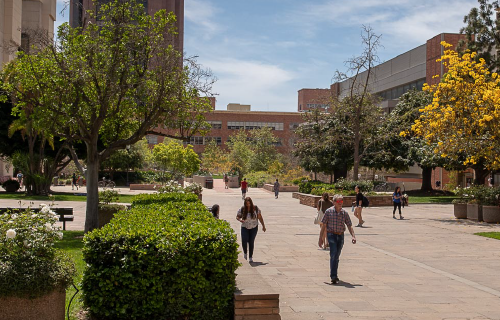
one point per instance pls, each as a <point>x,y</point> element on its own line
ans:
<point>426,179</point>
<point>481,173</point>
<point>340,173</point>
<point>92,177</point>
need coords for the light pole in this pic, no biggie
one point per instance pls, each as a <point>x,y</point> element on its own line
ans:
<point>128,155</point>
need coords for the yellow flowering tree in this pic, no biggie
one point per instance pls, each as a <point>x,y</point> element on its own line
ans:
<point>463,119</point>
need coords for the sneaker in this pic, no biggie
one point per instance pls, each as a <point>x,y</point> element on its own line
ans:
<point>335,281</point>
<point>393,216</point>
<point>401,217</point>
<point>361,223</point>
<point>245,256</point>
<point>250,260</point>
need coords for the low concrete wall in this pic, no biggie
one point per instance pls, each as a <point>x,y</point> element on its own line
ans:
<point>257,307</point>
<point>47,307</point>
<point>312,200</point>
<point>269,187</point>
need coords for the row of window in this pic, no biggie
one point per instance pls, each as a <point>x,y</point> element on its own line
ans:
<point>152,139</point>
<point>317,106</point>
<point>249,125</point>
<point>396,92</point>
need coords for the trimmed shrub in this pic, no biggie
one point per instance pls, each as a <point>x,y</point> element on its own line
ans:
<point>365,186</point>
<point>166,258</point>
<point>11,185</point>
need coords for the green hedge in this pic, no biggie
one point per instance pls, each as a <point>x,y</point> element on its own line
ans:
<point>344,187</point>
<point>166,258</point>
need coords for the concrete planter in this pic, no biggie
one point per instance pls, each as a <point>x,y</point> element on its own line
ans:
<point>48,307</point>
<point>460,210</point>
<point>233,182</point>
<point>106,213</point>
<point>312,200</point>
<point>474,212</point>
<point>491,214</point>
<point>201,179</point>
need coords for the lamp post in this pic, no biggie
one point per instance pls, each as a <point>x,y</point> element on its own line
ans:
<point>128,155</point>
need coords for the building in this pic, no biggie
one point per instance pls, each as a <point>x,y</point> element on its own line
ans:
<point>225,123</point>
<point>19,16</point>
<point>79,7</point>
<point>314,99</point>
<point>390,80</point>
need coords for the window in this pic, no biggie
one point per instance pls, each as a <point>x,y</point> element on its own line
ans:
<point>152,139</point>
<point>235,125</point>
<point>218,140</point>
<point>215,124</point>
<point>196,141</point>
<point>317,106</point>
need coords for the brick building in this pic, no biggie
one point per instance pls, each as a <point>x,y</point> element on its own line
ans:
<point>314,99</point>
<point>392,79</point>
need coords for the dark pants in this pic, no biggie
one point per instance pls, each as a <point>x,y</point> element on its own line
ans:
<point>248,237</point>
<point>276,193</point>
<point>397,205</point>
<point>336,243</point>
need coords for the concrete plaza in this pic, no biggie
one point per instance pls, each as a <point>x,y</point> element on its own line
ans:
<point>428,266</point>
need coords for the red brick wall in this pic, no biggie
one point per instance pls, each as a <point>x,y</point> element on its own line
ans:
<point>434,52</point>
<point>316,96</point>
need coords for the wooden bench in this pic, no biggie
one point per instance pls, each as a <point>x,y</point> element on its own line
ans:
<point>65,214</point>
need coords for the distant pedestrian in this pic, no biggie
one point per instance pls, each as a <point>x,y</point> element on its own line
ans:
<point>334,223</point>
<point>249,216</point>
<point>20,179</point>
<point>244,188</point>
<point>276,189</point>
<point>215,211</point>
<point>358,206</point>
<point>323,204</point>
<point>73,182</point>
<point>397,199</point>
<point>226,181</point>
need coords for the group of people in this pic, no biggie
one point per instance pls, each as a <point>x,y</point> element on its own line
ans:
<point>244,188</point>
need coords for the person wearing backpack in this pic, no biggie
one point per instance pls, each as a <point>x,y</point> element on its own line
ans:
<point>358,206</point>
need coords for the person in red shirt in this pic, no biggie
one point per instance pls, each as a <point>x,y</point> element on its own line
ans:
<point>244,188</point>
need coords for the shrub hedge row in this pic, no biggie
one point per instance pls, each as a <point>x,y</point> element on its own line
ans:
<point>166,258</point>
<point>345,187</point>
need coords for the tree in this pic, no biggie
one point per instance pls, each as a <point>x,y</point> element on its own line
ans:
<point>463,119</point>
<point>263,143</point>
<point>357,105</point>
<point>240,152</point>
<point>112,82</point>
<point>215,159</point>
<point>130,158</point>
<point>481,31</point>
<point>178,160</point>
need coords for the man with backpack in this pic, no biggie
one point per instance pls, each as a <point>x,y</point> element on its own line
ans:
<point>361,201</point>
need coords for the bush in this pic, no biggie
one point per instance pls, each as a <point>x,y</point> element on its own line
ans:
<point>108,196</point>
<point>29,264</point>
<point>195,188</point>
<point>167,258</point>
<point>11,185</point>
<point>492,197</point>
<point>258,179</point>
<point>365,186</point>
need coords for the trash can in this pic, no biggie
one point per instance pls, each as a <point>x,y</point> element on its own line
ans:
<point>209,183</point>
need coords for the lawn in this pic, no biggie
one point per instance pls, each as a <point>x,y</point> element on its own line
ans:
<point>430,199</point>
<point>123,198</point>
<point>493,235</point>
<point>72,244</point>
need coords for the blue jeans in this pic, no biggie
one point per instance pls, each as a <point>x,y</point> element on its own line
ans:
<point>336,243</point>
<point>276,192</point>
<point>248,238</point>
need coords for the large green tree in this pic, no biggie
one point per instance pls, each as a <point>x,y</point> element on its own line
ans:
<point>178,160</point>
<point>114,82</point>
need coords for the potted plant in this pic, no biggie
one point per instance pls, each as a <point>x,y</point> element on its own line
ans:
<point>11,185</point>
<point>491,206</point>
<point>460,204</point>
<point>476,198</point>
<point>34,275</point>
<point>106,210</point>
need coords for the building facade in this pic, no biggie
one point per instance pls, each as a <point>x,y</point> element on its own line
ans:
<point>78,9</point>
<point>19,16</point>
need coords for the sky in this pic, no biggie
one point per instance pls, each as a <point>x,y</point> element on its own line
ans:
<point>263,51</point>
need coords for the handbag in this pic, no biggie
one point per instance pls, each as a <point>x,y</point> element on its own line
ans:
<point>319,217</point>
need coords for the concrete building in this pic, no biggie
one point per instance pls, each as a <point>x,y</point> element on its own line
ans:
<point>390,80</point>
<point>79,7</point>
<point>18,16</point>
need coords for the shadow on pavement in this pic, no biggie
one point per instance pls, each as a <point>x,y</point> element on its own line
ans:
<point>257,264</point>
<point>344,284</point>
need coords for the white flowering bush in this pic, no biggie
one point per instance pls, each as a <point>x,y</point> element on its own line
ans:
<point>194,187</point>
<point>30,266</point>
<point>175,187</point>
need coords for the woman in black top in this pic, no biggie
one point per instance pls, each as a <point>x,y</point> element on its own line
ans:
<point>358,206</point>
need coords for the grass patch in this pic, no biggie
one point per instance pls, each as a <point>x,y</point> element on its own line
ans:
<point>72,244</point>
<point>124,198</point>
<point>431,199</point>
<point>493,235</point>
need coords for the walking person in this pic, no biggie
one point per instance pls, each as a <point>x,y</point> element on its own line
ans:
<point>397,199</point>
<point>20,179</point>
<point>358,206</point>
<point>226,181</point>
<point>276,189</point>
<point>334,223</point>
<point>249,216</point>
<point>73,182</point>
<point>323,204</point>
<point>244,188</point>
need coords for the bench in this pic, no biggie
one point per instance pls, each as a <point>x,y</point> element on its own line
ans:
<point>65,214</point>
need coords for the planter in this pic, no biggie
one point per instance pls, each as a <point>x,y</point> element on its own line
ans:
<point>233,182</point>
<point>491,214</point>
<point>474,212</point>
<point>460,210</point>
<point>106,213</point>
<point>48,307</point>
<point>201,179</point>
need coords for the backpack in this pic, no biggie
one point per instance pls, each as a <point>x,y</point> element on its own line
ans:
<point>365,202</point>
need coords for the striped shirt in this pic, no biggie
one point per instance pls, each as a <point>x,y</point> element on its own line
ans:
<point>336,221</point>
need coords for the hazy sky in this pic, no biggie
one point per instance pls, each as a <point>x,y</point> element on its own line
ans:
<point>263,51</point>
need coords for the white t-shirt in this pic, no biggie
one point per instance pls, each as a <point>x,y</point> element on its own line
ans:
<point>250,222</point>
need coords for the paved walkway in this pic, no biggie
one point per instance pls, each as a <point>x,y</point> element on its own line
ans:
<point>428,266</point>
